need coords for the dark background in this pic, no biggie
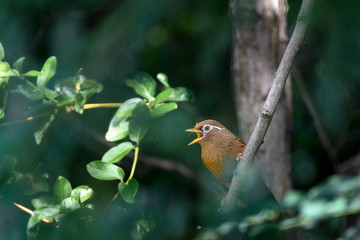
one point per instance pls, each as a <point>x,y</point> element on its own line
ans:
<point>191,42</point>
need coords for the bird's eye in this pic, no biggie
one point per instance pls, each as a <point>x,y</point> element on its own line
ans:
<point>206,128</point>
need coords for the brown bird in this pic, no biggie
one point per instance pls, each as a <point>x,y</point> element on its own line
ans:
<point>220,149</point>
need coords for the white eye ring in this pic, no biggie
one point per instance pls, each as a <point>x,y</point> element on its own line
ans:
<point>207,128</point>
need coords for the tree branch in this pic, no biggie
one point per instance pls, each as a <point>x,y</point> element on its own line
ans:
<point>324,138</point>
<point>271,102</point>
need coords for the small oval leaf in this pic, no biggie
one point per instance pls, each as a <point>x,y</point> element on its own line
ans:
<point>163,96</point>
<point>84,192</point>
<point>139,122</point>
<point>18,64</point>
<point>42,202</point>
<point>32,73</point>
<point>116,153</point>
<point>162,77</point>
<point>126,108</point>
<point>128,190</point>
<point>163,108</point>
<point>117,131</point>
<point>143,84</point>
<point>181,94</point>
<point>62,189</point>
<point>105,171</point>
<point>48,71</point>
<point>69,204</point>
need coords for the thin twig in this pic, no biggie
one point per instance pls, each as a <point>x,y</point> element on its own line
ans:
<point>112,200</point>
<point>25,119</point>
<point>25,209</point>
<point>69,109</point>
<point>324,138</point>
<point>271,102</point>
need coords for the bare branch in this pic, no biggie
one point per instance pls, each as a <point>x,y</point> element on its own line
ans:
<point>271,101</point>
<point>324,138</point>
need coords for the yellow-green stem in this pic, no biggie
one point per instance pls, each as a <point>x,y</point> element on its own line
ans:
<point>134,164</point>
<point>101,105</point>
<point>86,106</point>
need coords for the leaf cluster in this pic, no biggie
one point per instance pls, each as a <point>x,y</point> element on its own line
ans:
<point>64,201</point>
<point>132,119</point>
<point>337,197</point>
<point>68,94</point>
<point>129,125</point>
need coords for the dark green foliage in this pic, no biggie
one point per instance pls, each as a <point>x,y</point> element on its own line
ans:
<point>64,202</point>
<point>191,42</point>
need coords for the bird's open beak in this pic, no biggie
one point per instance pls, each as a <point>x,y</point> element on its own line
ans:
<point>199,134</point>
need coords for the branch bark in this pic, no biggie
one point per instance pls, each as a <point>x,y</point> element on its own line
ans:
<point>259,42</point>
<point>271,102</point>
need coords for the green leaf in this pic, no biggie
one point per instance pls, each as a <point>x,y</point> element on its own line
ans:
<point>84,192</point>
<point>62,189</point>
<point>163,108</point>
<point>32,73</point>
<point>139,122</point>
<point>126,108</point>
<point>2,53</point>
<point>66,89</point>
<point>18,64</point>
<point>144,85</point>
<point>181,94</point>
<point>5,73</point>
<point>105,171</point>
<point>118,129</point>
<point>42,202</point>
<point>69,204</point>
<point>116,153</point>
<point>33,226</point>
<point>49,93</point>
<point>163,79</point>
<point>40,133</point>
<point>4,69</point>
<point>119,125</point>
<point>163,96</point>
<point>89,84</point>
<point>29,91</point>
<point>128,190</point>
<point>48,213</point>
<point>80,101</point>
<point>48,71</point>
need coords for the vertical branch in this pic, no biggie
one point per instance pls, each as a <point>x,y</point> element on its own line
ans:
<point>260,40</point>
<point>271,101</point>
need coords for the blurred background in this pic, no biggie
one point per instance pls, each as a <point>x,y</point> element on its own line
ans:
<point>190,41</point>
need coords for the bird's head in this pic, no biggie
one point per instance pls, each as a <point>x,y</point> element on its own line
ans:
<point>206,130</point>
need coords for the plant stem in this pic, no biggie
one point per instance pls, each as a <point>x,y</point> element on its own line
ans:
<point>112,200</point>
<point>24,120</point>
<point>134,164</point>
<point>101,105</point>
<point>86,106</point>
